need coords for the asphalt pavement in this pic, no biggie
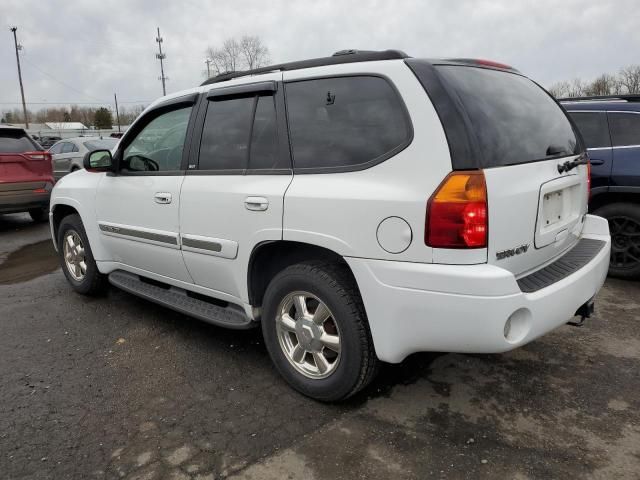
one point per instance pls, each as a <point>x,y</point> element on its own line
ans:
<point>117,387</point>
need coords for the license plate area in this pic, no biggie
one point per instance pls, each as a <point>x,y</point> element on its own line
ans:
<point>559,209</point>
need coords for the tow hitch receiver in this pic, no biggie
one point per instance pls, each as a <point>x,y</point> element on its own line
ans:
<point>583,312</point>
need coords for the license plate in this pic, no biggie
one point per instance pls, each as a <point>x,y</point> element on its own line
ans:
<point>552,208</point>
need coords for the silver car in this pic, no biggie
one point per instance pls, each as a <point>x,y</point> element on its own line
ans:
<point>69,153</point>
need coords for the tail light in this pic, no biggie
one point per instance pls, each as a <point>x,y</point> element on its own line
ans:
<point>457,212</point>
<point>38,155</point>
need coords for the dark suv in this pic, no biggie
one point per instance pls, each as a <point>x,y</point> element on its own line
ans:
<point>610,126</point>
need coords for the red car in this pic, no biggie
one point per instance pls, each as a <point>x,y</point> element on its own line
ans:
<point>26,174</point>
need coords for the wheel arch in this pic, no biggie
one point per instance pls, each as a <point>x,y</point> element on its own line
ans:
<point>58,212</point>
<point>606,198</point>
<point>270,257</point>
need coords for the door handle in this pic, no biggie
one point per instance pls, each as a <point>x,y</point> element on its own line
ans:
<point>596,161</point>
<point>162,197</point>
<point>257,204</point>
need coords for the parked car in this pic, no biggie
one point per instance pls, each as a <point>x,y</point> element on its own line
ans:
<point>26,174</point>
<point>610,126</point>
<point>68,153</point>
<point>385,205</point>
<point>47,141</point>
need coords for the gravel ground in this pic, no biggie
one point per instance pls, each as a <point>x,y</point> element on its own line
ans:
<point>117,387</point>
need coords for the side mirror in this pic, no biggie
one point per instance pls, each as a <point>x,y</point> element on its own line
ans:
<point>98,161</point>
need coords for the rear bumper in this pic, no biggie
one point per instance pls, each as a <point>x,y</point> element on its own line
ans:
<point>24,196</point>
<point>465,308</point>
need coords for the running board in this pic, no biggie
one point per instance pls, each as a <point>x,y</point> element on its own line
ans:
<point>178,300</point>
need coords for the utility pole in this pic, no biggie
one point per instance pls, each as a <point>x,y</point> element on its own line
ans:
<point>208,62</point>
<point>115,97</point>
<point>161,56</point>
<point>18,47</point>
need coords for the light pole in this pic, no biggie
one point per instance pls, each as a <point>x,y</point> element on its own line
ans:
<point>18,47</point>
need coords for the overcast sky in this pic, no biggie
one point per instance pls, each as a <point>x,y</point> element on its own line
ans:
<point>80,51</point>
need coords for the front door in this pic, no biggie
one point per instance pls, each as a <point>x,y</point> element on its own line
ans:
<point>138,208</point>
<point>233,193</point>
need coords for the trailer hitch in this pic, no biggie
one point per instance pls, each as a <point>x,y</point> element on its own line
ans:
<point>583,312</point>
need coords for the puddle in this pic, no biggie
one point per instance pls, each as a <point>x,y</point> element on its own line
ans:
<point>28,262</point>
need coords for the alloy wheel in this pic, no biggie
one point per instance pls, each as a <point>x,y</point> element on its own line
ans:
<point>625,242</point>
<point>74,256</point>
<point>308,335</point>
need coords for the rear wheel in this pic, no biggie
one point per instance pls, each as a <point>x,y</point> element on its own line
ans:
<point>39,214</point>
<point>76,258</point>
<point>624,225</point>
<point>316,331</point>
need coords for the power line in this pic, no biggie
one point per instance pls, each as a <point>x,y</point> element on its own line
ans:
<point>60,81</point>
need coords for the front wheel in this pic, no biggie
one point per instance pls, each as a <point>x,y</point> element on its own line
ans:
<point>316,331</point>
<point>624,225</point>
<point>76,258</point>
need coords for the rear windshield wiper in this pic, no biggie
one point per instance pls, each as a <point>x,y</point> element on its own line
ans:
<point>571,164</point>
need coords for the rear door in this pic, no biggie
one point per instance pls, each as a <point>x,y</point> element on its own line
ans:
<point>519,137</point>
<point>594,127</point>
<point>625,134</point>
<point>232,196</point>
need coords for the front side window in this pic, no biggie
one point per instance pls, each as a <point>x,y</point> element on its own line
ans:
<point>625,129</point>
<point>345,122</point>
<point>594,128</point>
<point>67,147</point>
<point>158,146</point>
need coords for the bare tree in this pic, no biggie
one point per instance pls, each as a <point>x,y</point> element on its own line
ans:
<point>247,53</point>
<point>576,88</point>
<point>629,78</point>
<point>255,54</point>
<point>560,89</point>
<point>605,84</point>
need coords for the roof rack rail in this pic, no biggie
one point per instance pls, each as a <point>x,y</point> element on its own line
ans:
<point>342,56</point>
<point>629,98</point>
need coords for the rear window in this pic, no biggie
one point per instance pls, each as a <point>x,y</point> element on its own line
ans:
<point>101,144</point>
<point>345,122</point>
<point>512,118</point>
<point>16,141</point>
<point>594,128</point>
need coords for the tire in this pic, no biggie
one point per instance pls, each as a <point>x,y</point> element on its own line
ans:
<point>331,284</point>
<point>39,214</point>
<point>87,282</point>
<point>624,224</point>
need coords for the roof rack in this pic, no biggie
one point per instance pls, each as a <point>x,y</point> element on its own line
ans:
<point>628,98</point>
<point>342,56</point>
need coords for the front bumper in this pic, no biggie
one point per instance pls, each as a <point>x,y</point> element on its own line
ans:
<point>469,308</point>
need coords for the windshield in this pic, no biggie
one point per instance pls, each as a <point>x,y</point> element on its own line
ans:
<point>101,144</point>
<point>512,118</point>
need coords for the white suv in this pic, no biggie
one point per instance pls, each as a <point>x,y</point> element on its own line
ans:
<point>360,207</point>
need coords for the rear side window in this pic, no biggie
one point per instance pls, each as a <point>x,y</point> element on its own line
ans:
<point>15,141</point>
<point>513,119</point>
<point>240,133</point>
<point>345,122</point>
<point>625,129</point>
<point>67,147</point>
<point>57,148</point>
<point>594,128</point>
